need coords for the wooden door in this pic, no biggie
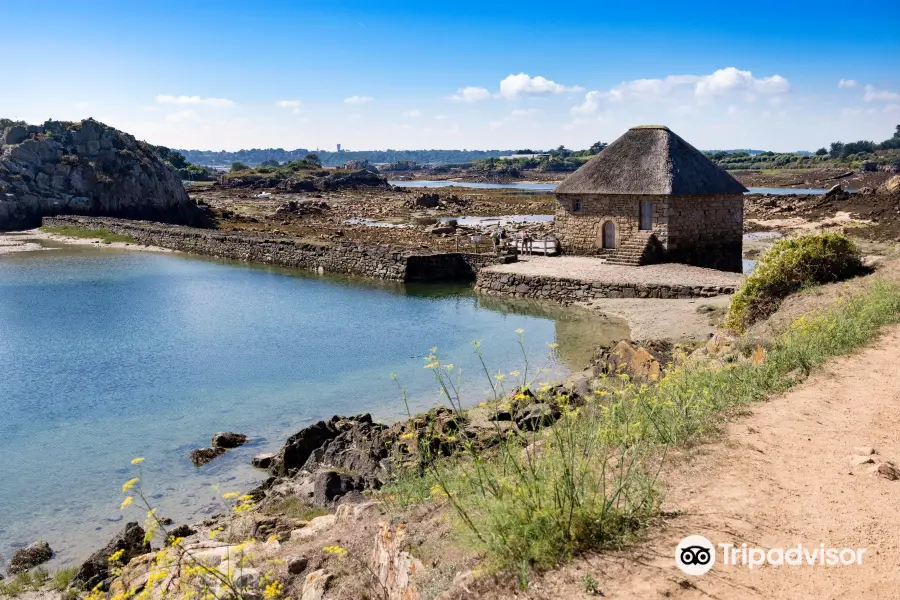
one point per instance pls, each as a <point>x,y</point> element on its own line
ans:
<point>646,219</point>
<point>609,235</point>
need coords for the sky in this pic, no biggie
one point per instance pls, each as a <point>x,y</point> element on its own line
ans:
<point>227,75</point>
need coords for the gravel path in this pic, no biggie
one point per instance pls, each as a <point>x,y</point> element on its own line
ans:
<point>594,269</point>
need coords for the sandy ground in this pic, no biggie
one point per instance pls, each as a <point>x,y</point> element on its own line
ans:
<point>31,241</point>
<point>786,474</point>
<point>674,320</point>
<point>595,269</point>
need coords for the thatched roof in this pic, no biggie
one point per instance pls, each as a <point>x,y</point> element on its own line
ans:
<point>650,160</point>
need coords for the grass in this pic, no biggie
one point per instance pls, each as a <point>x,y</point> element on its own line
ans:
<point>105,235</point>
<point>35,579</point>
<point>293,507</point>
<point>590,481</point>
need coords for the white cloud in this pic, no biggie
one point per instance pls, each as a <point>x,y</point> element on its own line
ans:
<point>292,105</point>
<point>524,85</point>
<point>413,113</point>
<point>517,114</point>
<point>731,79</point>
<point>440,117</point>
<point>358,100</point>
<point>875,94</point>
<point>496,124</point>
<point>471,94</point>
<point>82,105</point>
<point>217,102</point>
<point>724,82</point>
<point>847,83</point>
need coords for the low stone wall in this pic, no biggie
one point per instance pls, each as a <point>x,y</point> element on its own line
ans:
<point>569,291</point>
<point>379,262</point>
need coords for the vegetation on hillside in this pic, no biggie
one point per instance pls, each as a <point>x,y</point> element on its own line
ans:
<point>851,155</point>
<point>590,480</point>
<point>104,235</point>
<point>256,156</point>
<point>788,266</point>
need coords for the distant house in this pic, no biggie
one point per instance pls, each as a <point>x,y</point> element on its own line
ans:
<point>652,197</point>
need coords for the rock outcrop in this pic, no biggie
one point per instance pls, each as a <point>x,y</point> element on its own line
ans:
<point>96,569</point>
<point>31,556</point>
<point>221,441</point>
<point>85,168</point>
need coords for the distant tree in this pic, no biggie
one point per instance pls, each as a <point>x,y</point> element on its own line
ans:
<point>312,157</point>
<point>596,147</point>
<point>239,166</point>
<point>897,133</point>
<point>270,163</point>
<point>821,152</point>
<point>525,151</point>
<point>177,159</point>
<point>837,149</point>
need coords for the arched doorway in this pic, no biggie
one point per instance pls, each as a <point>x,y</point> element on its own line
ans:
<point>609,235</point>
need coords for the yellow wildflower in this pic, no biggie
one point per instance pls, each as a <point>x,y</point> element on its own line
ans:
<point>272,591</point>
<point>520,331</point>
<point>432,365</point>
<point>230,495</point>
<point>553,346</point>
<point>129,484</point>
<point>137,461</point>
<point>246,498</point>
<point>514,373</point>
<point>214,533</point>
<point>116,556</point>
<point>336,550</point>
<point>126,502</point>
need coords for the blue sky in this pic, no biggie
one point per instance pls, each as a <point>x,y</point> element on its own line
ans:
<point>227,75</point>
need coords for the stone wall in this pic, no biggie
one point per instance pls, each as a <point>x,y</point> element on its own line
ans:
<point>380,262</point>
<point>704,231</point>
<point>569,291</point>
<point>581,233</point>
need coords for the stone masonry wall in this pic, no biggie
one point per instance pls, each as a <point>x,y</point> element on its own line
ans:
<point>707,231</point>
<point>704,231</point>
<point>380,262</point>
<point>581,233</point>
<point>569,291</point>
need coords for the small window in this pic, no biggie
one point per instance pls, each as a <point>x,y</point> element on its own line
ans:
<point>577,206</point>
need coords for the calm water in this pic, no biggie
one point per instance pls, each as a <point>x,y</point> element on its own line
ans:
<point>108,355</point>
<point>549,187</point>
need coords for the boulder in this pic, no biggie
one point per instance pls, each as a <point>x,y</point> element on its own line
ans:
<point>331,485</point>
<point>31,556</point>
<point>635,361</point>
<point>315,585</point>
<point>228,439</point>
<point>202,456</point>
<point>263,461</point>
<point>891,186</point>
<point>96,569</point>
<point>14,135</point>
<point>536,416</point>
<point>90,169</point>
<point>182,531</point>
<point>427,201</point>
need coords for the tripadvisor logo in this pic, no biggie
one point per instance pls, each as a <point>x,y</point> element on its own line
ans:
<point>695,555</point>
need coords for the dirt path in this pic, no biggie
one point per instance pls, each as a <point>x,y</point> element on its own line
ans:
<point>779,477</point>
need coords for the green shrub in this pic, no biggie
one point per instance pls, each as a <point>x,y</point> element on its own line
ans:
<point>788,266</point>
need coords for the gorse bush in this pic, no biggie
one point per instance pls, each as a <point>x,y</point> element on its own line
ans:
<point>590,480</point>
<point>788,266</point>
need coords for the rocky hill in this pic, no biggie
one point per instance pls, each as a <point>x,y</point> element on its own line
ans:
<point>85,168</point>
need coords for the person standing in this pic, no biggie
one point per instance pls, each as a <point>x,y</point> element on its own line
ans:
<point>526,241</point>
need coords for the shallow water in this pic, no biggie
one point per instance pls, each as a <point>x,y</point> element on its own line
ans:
<point>549,187</point>
<point>106,355</point>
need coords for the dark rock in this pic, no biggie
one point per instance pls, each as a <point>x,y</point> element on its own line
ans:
<point>263,461</point>
<point>95,570</point>
<point>201,456</point>
<point>359,448</point>
<point>14,135</point>
<point>535,416</point>
<point>297,565</point>
<point>301,445</point>
<point>331,485</point>
<point>182,531</point>
<point>357,179</point>
<point>228,439</point>
<point>888,471</point>
<point>31,556</point>
<point>427,201</point>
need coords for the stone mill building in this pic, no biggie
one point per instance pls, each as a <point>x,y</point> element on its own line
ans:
<point>651,197</point>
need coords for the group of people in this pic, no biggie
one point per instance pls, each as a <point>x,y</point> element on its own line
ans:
<point>500,239</point>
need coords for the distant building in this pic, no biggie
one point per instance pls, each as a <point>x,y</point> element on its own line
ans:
<point>339,147</point>
<point>652,197</point>
<point>515,156</point>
